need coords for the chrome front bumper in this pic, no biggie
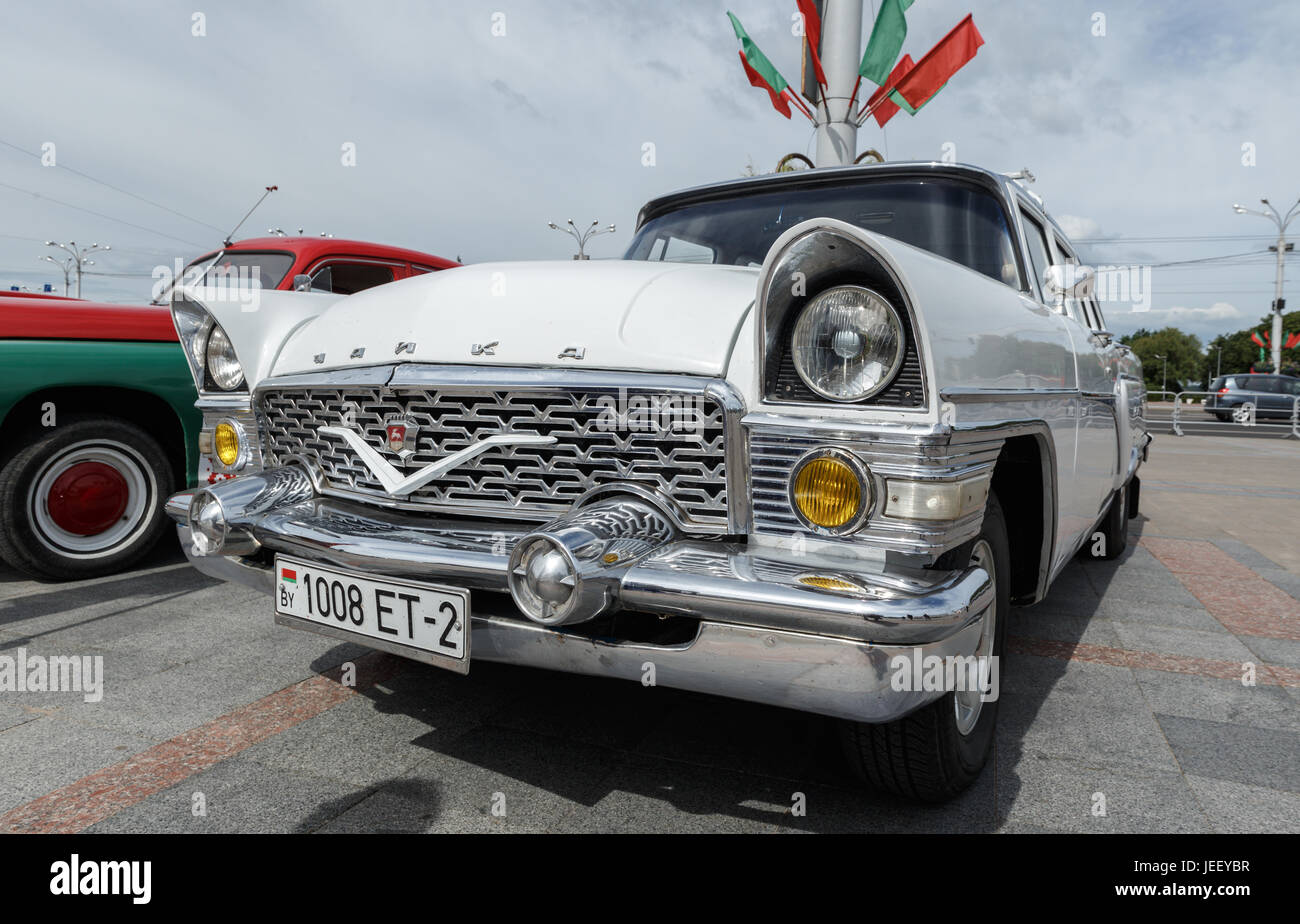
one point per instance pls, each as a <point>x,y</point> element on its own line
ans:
<point>767,631</point>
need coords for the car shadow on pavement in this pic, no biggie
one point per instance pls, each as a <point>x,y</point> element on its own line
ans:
<point>160,581</point>
<point>1059,622</point>
<point>584,753</point>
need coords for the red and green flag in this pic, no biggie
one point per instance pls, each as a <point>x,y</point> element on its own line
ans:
<point>756,79</point>
<point>885,108</point>
<point>761,72</point>
<point>1256,338</point>
<point>933,71</point>
<point>885,43</point>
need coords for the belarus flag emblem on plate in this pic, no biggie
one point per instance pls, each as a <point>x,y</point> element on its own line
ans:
<point>288,574</point>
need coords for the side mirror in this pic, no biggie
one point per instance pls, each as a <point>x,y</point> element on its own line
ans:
<point>1069,280</point>
<point>302,283</point>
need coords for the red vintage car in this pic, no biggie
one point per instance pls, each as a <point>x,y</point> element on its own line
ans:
<point>98,424</point>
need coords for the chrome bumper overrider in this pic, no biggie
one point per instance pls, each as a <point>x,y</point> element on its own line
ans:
<point>806,632</point>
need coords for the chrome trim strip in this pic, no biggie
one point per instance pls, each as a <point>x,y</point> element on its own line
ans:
<point>999,395</point>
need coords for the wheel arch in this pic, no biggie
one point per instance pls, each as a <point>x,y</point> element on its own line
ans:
<point>1024,478</point>
<point>146,410</point>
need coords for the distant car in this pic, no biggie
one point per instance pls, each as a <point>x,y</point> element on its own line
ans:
<point>1271,395</point>
<point>98,422</point>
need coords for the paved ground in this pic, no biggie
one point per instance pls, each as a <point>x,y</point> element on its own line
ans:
<point>1125,685</point>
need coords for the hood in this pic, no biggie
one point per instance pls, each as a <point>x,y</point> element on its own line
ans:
<point>625,315</point>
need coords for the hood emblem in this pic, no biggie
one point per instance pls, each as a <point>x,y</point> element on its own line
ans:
<point>400,433</point>
<point>398,485</point>
<point>484,349</point>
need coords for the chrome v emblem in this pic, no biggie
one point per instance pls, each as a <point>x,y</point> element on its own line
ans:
<point>398,486</point>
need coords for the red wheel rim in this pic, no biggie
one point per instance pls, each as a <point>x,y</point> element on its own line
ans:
<point>88,498</point>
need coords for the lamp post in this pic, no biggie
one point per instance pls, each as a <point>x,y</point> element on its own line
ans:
<point>65,265</point>
<point>580,236</point>
<point>1164,369</point>
<point>1282,246</point>
<point>78,256</point>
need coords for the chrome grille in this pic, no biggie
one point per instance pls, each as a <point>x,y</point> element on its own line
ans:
<point>529,481</point>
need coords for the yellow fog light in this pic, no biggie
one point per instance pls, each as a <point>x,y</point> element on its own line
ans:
<point>226,443</point>
<point>830,491</point>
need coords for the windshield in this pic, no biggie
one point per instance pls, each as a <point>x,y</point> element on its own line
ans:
<point>963,223</point>
<point>240,267</point>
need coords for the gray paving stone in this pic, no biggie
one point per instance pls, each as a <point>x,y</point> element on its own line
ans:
<point>239,795</point>
<point>1058,795</point>
<point>52,752</point>
<point>1238,808</point>
<point>1092,713</point>
<point>1037,622</point>
<point>1216,700</point>
<point>1161,614</point>
<point>1279,651</point>
<point>1241,754</point>
<point>540,779</point>
<point>1191,643</point>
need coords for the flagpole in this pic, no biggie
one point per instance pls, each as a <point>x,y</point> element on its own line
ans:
<point>841,40</point>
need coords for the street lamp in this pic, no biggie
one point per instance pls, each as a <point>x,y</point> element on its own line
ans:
<point>580,236</point>
<point>1163,370</point>
<point>78,256</point>
<point>1282,246</point>
<point>65,265</point>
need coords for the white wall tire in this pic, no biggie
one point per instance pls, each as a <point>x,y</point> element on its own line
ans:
<point>83,499</point>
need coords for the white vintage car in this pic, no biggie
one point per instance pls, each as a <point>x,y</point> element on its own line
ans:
<point>804,445</point>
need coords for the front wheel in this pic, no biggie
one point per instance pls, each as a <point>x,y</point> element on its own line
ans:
<point>939,750</point>
<point>83,500</point>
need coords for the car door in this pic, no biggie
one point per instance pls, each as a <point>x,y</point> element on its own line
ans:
<point>1100,417</point>
<point>1072,507</point>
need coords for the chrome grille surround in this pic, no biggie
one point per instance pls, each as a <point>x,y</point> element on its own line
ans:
<point>454,406</point>
<point>912,452</point>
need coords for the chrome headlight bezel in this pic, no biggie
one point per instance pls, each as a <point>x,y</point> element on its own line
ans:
<point>866,490</point>
<point>892,318</point>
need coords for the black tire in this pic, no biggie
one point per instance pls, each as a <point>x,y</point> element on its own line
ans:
<point>1223,416</point>
<point>32,538</point>
<point>924,756</point>
<point>1113,529</point>
<point>1134,496</point>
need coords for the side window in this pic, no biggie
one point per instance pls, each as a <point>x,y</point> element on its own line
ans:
<point>1079,309</point>
<point>346,278</point>
<point>1039,255</point>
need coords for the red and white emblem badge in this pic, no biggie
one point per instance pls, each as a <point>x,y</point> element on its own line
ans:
<point>401,435</point>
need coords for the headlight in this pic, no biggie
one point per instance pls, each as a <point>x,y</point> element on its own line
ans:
<point>848,343</point>
<point>222,364</point>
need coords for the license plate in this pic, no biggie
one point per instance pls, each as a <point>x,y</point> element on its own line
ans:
<point>422,621</point>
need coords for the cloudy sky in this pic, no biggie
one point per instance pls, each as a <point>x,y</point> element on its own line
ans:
<point>467,143</point>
